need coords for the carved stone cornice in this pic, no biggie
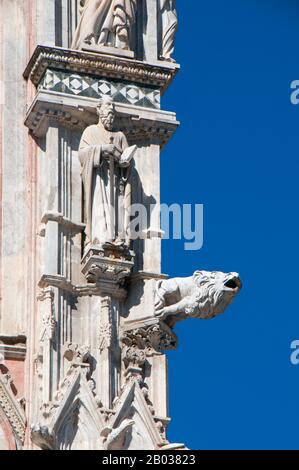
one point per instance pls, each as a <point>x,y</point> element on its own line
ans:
<point>159,74</point>
<point>77,355</point>
<point>76,113</point>
<point>11,407</point>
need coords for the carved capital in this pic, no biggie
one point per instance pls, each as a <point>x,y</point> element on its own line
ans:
<point>153,338</point>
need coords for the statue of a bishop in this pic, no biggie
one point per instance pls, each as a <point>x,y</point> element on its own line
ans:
<point>106,159</point>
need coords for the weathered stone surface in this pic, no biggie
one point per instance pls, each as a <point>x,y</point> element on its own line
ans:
<point>86,318</point>
<point>204,295</point>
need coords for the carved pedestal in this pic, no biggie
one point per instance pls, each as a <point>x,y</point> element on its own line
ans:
<point>110,263</point>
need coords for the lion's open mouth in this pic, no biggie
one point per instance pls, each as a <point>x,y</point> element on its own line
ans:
<point>233,283</point>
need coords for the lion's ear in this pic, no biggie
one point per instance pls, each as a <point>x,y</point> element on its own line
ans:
<point>198,273</point>
<point>197,276</point>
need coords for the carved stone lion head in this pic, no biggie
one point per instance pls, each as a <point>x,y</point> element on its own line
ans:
<point>203,295</point>
<point>213,292</point>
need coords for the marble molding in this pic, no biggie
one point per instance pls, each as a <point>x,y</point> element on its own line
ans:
<point>158,74</point>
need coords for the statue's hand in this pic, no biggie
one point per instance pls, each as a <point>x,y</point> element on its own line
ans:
<point>111,150</point>
<point>161,312</point>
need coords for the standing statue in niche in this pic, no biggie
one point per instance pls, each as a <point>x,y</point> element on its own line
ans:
<point>168,28</point>
<point>105,159</point>
<point>106,23</point>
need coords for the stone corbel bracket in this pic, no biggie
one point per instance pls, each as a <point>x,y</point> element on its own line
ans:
<point>159,74</point>
<point>73,228</point>
<point>110,264</point>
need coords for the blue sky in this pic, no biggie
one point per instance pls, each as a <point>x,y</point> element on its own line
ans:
<point>232,385</point>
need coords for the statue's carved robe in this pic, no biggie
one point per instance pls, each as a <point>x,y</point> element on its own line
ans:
<point>106,23</point>
<point>168,26</point>
<point>96,181</point>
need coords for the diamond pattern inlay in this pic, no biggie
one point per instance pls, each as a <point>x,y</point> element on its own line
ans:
<point>104,88</point>
<point>91,86</point>
<point>133,93</point>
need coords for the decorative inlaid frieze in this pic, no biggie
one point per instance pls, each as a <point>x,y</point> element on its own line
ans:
<point>93,87</point>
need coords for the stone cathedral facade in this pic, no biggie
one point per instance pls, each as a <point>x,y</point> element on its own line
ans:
<point>85,314</point>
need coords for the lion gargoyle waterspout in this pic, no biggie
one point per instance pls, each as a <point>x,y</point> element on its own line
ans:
<point>203,295</point>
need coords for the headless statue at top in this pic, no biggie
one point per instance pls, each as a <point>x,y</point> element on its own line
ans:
<point>168,25</point>
<point>106,23</point>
